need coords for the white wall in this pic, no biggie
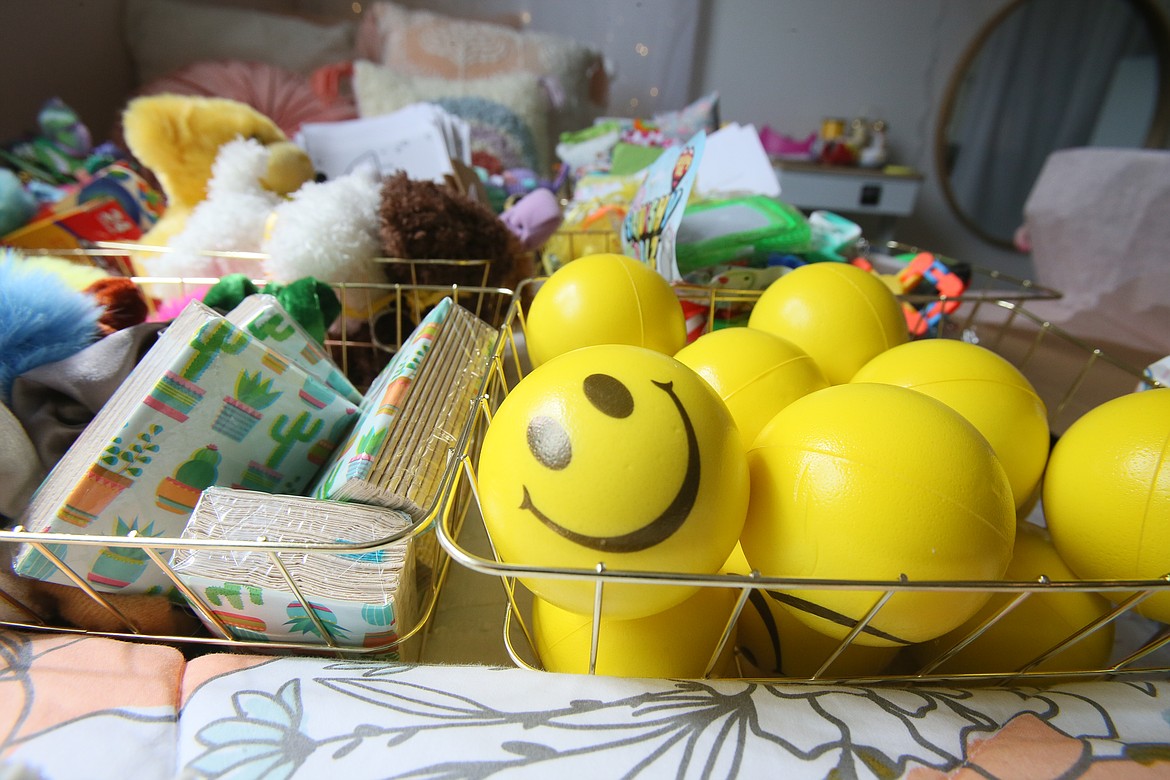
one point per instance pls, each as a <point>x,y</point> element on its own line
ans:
<point>789,64</point>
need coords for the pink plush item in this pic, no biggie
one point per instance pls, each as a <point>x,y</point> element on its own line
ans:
<point>170,308</point>
<point>287,98</point>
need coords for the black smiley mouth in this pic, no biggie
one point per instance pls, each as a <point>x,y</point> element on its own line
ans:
<point>661,527</point>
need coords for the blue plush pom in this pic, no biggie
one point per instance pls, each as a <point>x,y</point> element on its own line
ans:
<point>42,320</point>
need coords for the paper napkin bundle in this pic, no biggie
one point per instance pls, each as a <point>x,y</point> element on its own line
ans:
<point>361,599</point>
<point>209,404</point>
<point>413,415</point>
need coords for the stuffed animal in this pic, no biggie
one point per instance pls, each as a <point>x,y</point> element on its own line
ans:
<point>177,138</point>
<point>422,220</point>
<point>42,319</point>
<point>329,230</point>
<point>230,219</point>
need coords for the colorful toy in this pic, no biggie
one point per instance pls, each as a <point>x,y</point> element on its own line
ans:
<point>773,643</point>
<point>926,274</point>
<point>42,319</point>
<point>1035,626</point>
<point>619,455</point>
<point>17,205</point>
<point>1106,493</point>
<point>870,481</point>
<point>177,137</point>
<point>534,217</point>
<point>675,643</point>
<point>840,315</point>
<point>604,299</point>
<point>755,373</point>
<point>983,387</point>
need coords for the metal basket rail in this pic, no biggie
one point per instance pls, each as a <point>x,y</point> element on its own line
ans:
<point>401,304</point>
<point>993,321</point>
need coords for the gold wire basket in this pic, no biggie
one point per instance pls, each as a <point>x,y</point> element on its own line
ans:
<point>1071,376</point>
<point>392,313</point>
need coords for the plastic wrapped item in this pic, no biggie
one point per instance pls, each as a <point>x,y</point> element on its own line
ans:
<point>362,598</point>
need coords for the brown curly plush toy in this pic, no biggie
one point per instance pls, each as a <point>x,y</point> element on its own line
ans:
<point>422,220</point>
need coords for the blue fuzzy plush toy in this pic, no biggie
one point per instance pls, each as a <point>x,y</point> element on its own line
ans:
<point>42,319</point>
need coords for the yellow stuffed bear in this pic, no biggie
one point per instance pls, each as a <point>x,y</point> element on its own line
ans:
<point>177,138</point>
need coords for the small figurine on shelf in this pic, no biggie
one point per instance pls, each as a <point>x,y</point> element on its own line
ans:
<point>834,147</point>
<point>874,153</point>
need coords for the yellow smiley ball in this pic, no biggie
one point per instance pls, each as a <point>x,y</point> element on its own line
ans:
<point>839,314</point>
<point>755,373</point>
<point>773,643</point>
<point>1106,493</point>
<point>617,455</point>
<point>603,299</point>
<point>1035,626</point>
<point>983,387</point>
<point>676,643</point>
<point>870,482</point>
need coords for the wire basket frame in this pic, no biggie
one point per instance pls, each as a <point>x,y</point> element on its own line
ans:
<point>1002,324</point>
<point>403,305</point>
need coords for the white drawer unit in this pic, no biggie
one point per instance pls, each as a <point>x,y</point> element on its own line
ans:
<point>846,189</point>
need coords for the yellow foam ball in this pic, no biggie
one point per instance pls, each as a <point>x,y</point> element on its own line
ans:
<point>839,314</point>
<point>1035,626</point>
<point>983,387</point>
<point>677,642</point>
<point>618,455</point>
<point>1106,493</point>
<point>773,643</point>
<point>755,373</point>
<point>872,481</point>
<point>604,299</point>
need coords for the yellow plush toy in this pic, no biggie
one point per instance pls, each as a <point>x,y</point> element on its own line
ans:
<point>177,137</point>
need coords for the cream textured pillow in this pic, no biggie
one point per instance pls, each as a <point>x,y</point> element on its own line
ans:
<point>508,114</point>
<point>165,35</point>
<point>423,43</point>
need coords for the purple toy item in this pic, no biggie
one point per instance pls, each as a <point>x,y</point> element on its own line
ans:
<point>534,218</point>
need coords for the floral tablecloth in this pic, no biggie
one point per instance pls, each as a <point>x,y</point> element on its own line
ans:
<point>89,707</point>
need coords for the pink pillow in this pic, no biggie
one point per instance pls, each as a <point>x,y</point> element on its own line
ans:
<point>285,97</point>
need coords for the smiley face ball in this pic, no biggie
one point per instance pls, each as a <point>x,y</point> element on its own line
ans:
<point>604,299</point>
<point>839,314</point>
<point>755,373</point>
<point>675,643</point>
<point>1035,626</point>
<point>872,482</point>
<point>619,455</point>
<point>983,387</point>
<point>1106,493</point>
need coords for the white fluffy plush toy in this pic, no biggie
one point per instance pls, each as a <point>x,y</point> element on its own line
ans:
<point>230,219</point>
<point>329,230</point>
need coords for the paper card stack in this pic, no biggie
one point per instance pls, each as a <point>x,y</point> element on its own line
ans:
<point>362,599</point>
<point>268,322</point>
<point>412,415</point>
<point>207,405</point>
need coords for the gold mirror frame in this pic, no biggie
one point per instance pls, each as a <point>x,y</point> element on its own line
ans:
<point>1156,136</point>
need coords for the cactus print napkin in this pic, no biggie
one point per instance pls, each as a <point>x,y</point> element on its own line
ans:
<point>207,405</point>
<point>360,599</point>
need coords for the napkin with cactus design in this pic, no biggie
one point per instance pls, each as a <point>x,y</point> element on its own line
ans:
<point>207,405</point>
<point>412,415</point>
<point>267,321</point>
<point>363,598</point>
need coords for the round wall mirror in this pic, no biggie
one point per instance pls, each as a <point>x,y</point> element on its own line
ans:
<point>1045,75</point>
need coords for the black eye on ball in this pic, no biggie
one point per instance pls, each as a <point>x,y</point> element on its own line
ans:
<point>609,395</point>
<point>549,443</point>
